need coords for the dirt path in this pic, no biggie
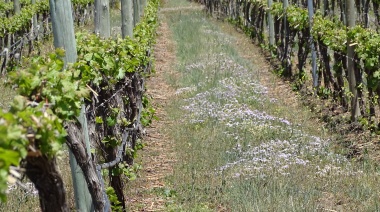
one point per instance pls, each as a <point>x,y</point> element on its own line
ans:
<point>157,156</point>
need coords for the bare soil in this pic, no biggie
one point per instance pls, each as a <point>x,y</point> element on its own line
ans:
<point>157,157</point>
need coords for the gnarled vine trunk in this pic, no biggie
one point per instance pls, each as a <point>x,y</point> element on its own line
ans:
<point>88,166</point>
<point>43,172</point>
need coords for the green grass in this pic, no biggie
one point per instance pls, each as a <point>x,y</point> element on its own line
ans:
<point>171,4</point>
<point>271,158</point>
<point>6,95</point>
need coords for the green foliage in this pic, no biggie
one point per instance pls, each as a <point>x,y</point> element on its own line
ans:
<point>299,81</point>
<point>277,9</point>
<point>50,94</point>
<point>25,127</point>
<point>367,47</point>
<point>110,141</point>
<point>332,34</point>
<point>127,170</point>
<point>298,18</point>
<point>46,81</point>
<point>81,3</point>
<point>116,58</point>
<point>116,204</point>
<point>98,120</point>
<point>5,7</point>
<point>107,60</point>
<point>22,21</point>
<point>148,112</point>
<point>323,92</point>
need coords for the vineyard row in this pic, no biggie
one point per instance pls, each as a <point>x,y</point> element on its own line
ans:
<point>295,35</point>
<point>104,88</point>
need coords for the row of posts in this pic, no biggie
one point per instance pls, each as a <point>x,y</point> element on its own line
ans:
<point>131,11</point>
